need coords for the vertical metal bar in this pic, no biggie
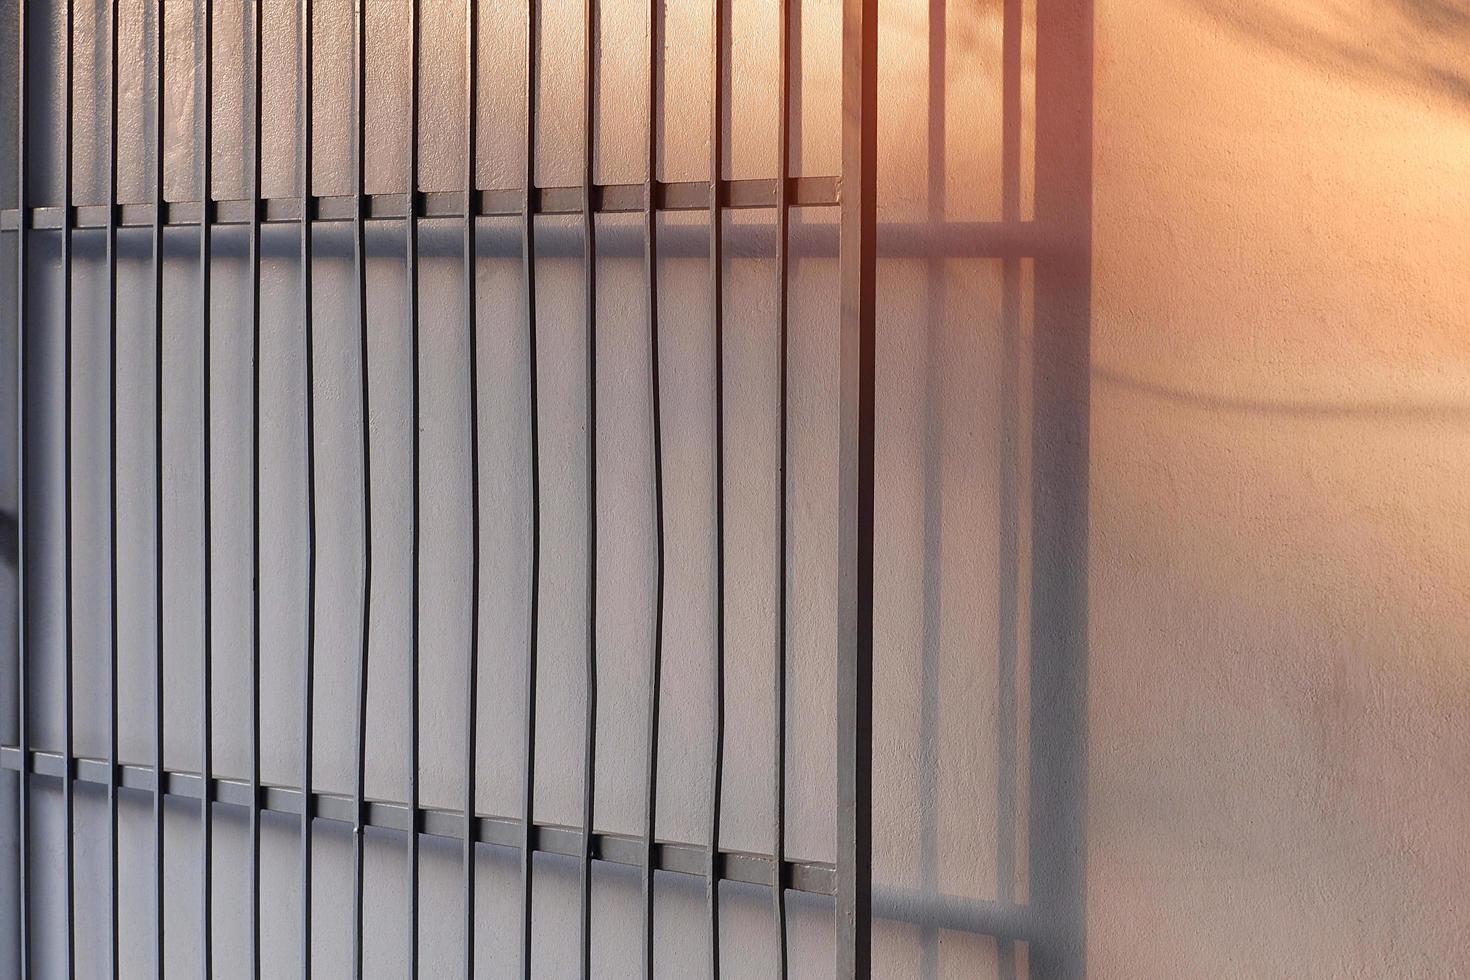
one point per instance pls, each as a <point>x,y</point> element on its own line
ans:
<point>528,256</point>
<point>411,286</point>
<point>359,262</point>
<point>472,671</point>
<point>22,246</point>
<point>783,272</point>
<point>68,796</point>
<point>206,768</point>
<point>857,268</point>
<point>717,315</point>
<point>256,109</point>
<point>589,280</point>
<point>158,664</point>
<point>112,659</point>
<point>655,670</point>
<point>308,660</point>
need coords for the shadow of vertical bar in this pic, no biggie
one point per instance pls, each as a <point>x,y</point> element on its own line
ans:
<point>1008,544</point>
<point>1058,804</point>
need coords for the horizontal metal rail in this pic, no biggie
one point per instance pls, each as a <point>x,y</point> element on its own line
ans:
<point>814,877</point>
<point>1001,920</point>
<point>506,203</point>
<point>899,240</point>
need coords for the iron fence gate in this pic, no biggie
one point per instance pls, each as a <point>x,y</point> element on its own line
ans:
<point>851,194</point>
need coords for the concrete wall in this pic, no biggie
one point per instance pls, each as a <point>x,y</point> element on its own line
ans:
<point>1281,418</point>
<point>1208,488</point>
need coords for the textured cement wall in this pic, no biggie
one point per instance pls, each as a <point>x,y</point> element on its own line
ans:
<point>1281,418</point>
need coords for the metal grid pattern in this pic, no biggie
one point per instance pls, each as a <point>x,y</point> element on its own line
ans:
<point>849,880</point>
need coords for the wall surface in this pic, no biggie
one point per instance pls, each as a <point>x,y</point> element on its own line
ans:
<point>1280,605</point>
<point>1253,542</point>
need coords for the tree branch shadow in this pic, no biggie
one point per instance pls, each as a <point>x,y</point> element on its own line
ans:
<point>1420,44</point>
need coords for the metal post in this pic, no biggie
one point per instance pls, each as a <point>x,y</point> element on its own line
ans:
<point>528,259</point>
<point>857,263</point>
<point>472,666</point>
<point>411,288</point>
<point>783,282</point>
<point>256,208</point>
<point>206,767</point>
<point>360,269</point>
<point>159,774</point>
<point>589,273</point>
<point>308,664</point>
<point>68,734</point>
<point>717,316</point>
<point>22,244</point>
<point>112,658</point>
<point>359,262</point>
<point>650,299</point>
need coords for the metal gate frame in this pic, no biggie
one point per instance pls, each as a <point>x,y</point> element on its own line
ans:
<point>1064,39</point>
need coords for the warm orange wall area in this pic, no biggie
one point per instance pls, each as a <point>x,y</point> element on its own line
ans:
<point>1281,489</point>
<point>1278,558</point>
